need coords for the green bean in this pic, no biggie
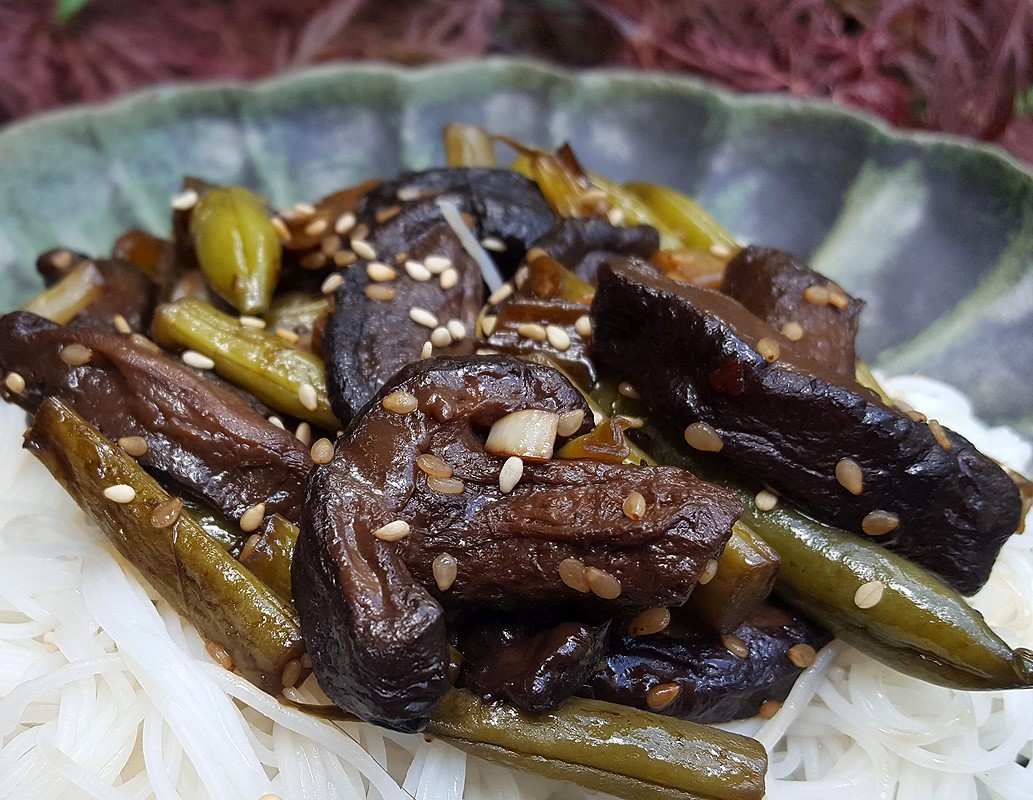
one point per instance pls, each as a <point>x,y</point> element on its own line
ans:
<point>263,363</point>
<point>269,556</point>
<point>167,544</point>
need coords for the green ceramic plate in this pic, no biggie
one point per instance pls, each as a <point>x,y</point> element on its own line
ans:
<point>936,234</point>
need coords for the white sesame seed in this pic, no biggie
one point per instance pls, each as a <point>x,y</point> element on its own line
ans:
<point>627,390</point>
<point>703,437</point>
<point>332,283</point>
<point>583,326</point>
<point>287,335</point>
<point>427,351</point>
<point>281,229</point>
<point>488,323</point>
<point>251,519</point>
<point>634,505</point>
<point>437,264</point>
<point>765,500</point>
<point>422,316</point>
<point>344,223</point>
<point>304,209</point>
<point>416,271</point>
<point>120,493</point>
<point>400,402</point>
<point>197,360</point>
<point>532,330</point>
<point>304,433</point>
<point>317,226</point>
<point>615,216</point>
<point>793,331</point>
<point>121,324</point>
<point>393,531</point>
<point>869,594</point>
<point>409,193</point>
<point>510,474</point>
<point>445,569</point>
<point>440,337</point>
<point>135,446</point>
<point>322,451</point>
<point>379,271</point>
<point>557,337</point>
<point>500,294</point>
<point>449,278</point>
<point>380,292</point>
<point>276,422</point>
<point>363,249</point>
<point>185,200</point>
<point>494,244</point>
<point>75,354</point>
<point>251,322</point>
<point>308,397</point>
<point>456,329</point>
<point>15,382</point>
<point>849,475</point>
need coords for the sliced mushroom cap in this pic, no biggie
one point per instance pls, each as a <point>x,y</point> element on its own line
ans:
<point>415,460</point>
<point>582,244</point>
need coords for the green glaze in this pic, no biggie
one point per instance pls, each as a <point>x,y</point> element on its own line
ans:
<point>935,233</point>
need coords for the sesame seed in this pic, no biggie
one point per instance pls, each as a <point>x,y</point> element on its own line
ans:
<point>304,209</point>
<point>634,506</point>
<point>344,223</point>
<point>456,329</point>
<point>816,295</point>
<point>431,465</point>
<point>449,278</point>
<point>380,292</point>
<point>661,695</point>
<point>166,514</point>
<point>332,283</point>
<point>330,244</point>
<point>185,200</point>
<point>197,360</point>
<point>249,548</point>
<point>440,337</point>
<point>322,451</point>
<point>62,259</point>
<point>510,474</point>
<point>252,518</point>
<point>720,251</point>
<point>500,294</point>
<point>251,322</point>
<point>304,433</point>
<point>276,422</point>
<point>446,485</point>
<point>879,523</point>
<point>652,620</point>
<point>765,500</point>
<point>630,421</point>
<point>793,331</point>
<point>287,335</point>
<point>384,214</point>
<point>135,446</point>
<point>532,330</point>
<point>802,655</point>
<point>379,271</point>
<point>557,337</point>
<point>291,673</point>
<point>416,271</point>
<point>615,216</point>
<point>837,297</point>
<point>437,264</point>
<point>521,276</point>
<point>363,249</point>
<point>572,573</point>
<point>76,355</point>
<point>583,326</point>
<point>493,244</point>
<point>940,435</point>
<point>569,422</point>
<point>219,655</point>
<point>445,569</point>
<point>14,382</point>
<point>313,260</point>
<point>768,349</point>
<point>345,258</point>
<point>869,594</point>
<point>602,583</point>
<point>703,437</point>
<point>409,193</point>
<point>916,416</point>
<point>848,473</point>
<point>488,324</point>
<point>360,231</point>
<point>282,231</point>
<point>628,390</point>
<point>120,493</point>
<point>427,351</point>
<point>308,397</point>
<point>121,323</point>
<point>422,316</point>
<point>736,646</point>
<point>393,531</point>
<point>769,708</point>
<point>709,571</point>
<point>316,226</point>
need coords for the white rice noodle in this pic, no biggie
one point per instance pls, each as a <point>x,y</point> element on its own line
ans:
<point>490,272</point>
<point>106,692</point>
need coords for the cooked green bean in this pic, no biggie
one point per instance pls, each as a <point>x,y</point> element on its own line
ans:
<point>269,557</point>
<point>285,377</point>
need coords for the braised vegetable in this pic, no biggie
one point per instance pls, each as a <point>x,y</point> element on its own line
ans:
<point>415,510</point>
<point>194,432</point>
<point>225,601</point>
<point>69,295</point>
<point>675,211</point>
<point>738,386</point>
<point>237,247</point>
<point>286,377</point>
<point>268,555</point>
<point>581,245</point>
<point>690,671</point>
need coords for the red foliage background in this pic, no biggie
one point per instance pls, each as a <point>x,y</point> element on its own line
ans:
<point>963,66</point>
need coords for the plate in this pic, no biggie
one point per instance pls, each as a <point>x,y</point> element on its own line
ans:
<point>935,233</point>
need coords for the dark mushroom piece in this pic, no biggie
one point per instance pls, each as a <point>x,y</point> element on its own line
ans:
<point>690,671</point>
<point>738,387</point>
<point>535,663</point>
<point>801,303</point>
<point>417,510</point>
<point>582,244</point>
<point>179,425</point>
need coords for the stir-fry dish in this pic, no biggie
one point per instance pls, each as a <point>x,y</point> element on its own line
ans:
<point>541,464</point>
